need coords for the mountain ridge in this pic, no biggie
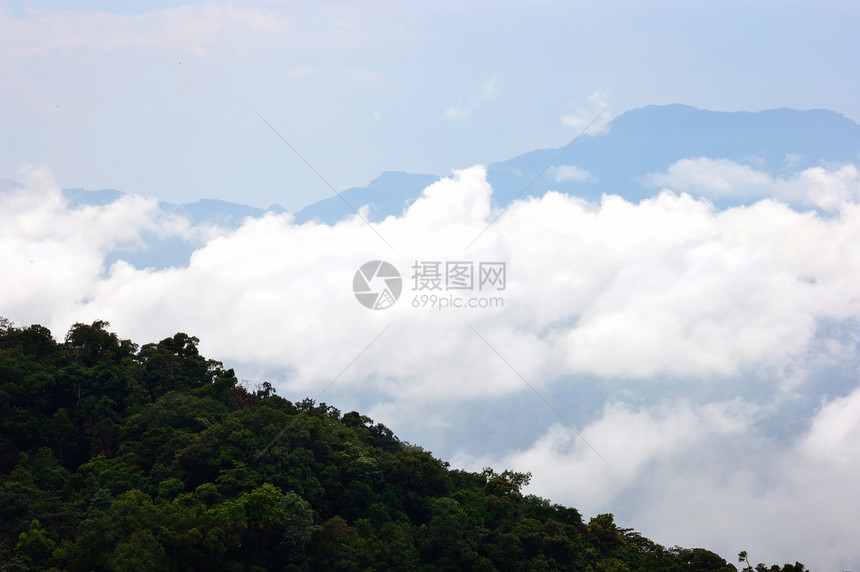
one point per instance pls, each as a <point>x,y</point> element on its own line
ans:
<point>638,144</point>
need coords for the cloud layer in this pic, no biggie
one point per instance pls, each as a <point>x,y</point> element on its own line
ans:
<point>702,336</point>
<point>819,187</point>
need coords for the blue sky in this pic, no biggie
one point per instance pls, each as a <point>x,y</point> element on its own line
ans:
<point>159,99</point>
<point>709,353</point>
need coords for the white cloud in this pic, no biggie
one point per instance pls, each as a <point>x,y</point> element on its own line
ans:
<point>665,287</point>
<point>719,178</point>
<point>611,454</point>
<point>565,173</point>
<point>703,475</point>
<point>595,116</point>
<point>669,297</point>
<point>832,439</point>
<point>713,177</point>
<point>796,502</point>
<point>53,255</point>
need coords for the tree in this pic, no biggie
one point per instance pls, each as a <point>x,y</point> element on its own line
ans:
<point>93,343</point>
<point>335,546</point>
<point>298,528</point>
<point>760,567</point>
<point>34,547</point>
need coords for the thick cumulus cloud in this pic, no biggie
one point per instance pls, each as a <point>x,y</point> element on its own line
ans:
<point>718,347</point>
<point>668,286</point>
<point>52,256</point>
<point>629,441</point>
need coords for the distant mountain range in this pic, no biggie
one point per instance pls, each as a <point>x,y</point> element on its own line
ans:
<point>639,142</point>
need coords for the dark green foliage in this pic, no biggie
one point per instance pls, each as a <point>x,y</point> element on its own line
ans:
<point>119,458</point>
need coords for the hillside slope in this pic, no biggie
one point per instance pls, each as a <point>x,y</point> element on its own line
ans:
<point>119,457</point>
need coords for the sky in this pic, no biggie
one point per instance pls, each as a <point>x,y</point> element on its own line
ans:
<point>691,369</point>
<point>161,99</point>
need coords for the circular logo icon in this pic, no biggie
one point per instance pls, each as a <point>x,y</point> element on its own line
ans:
<point>377,285</point>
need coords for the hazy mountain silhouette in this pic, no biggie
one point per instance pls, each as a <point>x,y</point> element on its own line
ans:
<point>639,142</point>
<point>388,194</point>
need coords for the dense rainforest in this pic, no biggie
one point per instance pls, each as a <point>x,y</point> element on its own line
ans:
<point>115,456</point>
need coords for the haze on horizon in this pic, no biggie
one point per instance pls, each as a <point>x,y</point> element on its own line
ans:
<point>159,99</point>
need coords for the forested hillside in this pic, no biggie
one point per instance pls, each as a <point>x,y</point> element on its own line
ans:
<point>120,457</point>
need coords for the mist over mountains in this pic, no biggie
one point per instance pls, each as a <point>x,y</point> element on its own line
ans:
<point>639,144</point>
<point>643,151</point>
